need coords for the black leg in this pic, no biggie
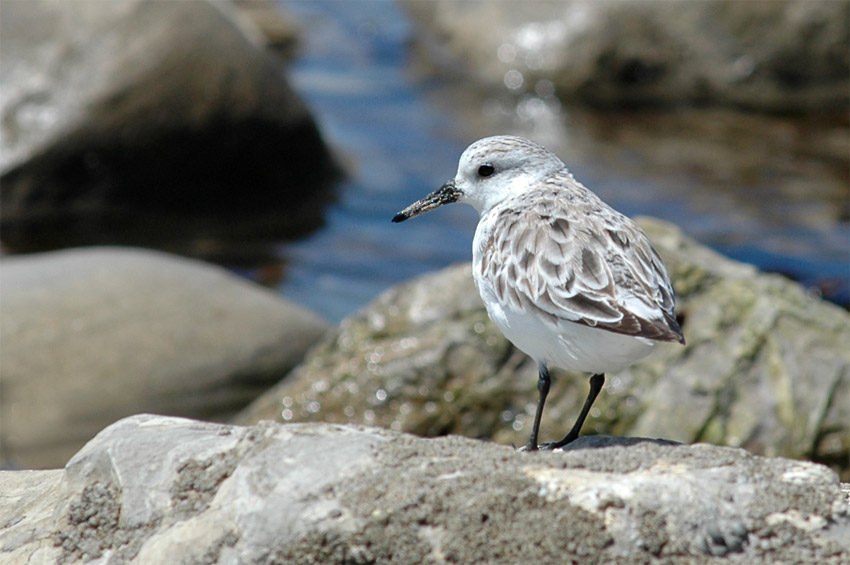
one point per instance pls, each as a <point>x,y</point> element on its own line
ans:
<point>543,382</point>
<point>596,382</point>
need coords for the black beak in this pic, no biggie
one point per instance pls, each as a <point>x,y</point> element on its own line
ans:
<point>446,194</point>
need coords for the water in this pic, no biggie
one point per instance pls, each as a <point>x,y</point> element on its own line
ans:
<point>400,130</point>
<point>397,146</point>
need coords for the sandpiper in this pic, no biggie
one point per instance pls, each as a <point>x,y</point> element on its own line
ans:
<point>568,280</point>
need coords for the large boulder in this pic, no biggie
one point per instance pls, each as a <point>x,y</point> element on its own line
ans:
<point>88,336</point>
<point>766,367</point>
<point>783,55</point>
<point>131,117</point>
<point>151,489</point>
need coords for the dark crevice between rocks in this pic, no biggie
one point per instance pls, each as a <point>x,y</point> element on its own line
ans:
<point>824,449</point>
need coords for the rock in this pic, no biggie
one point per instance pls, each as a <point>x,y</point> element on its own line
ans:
<point>766,367</point>
<point>151,489</point>
<point>92,335</point>
<point>780,56</point>
<point>27,503</point>
<point>278,30</point>
<point>149,119</point>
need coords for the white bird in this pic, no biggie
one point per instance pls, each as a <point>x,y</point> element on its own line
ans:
<point>567,279</point>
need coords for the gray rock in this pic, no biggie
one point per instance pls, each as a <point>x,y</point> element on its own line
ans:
<point>766,367</point>
<point>92,335</point>
<point>151,489</point>
<point>138,113</point>
<point>790,55</point>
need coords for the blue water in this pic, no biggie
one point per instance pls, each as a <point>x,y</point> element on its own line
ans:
<point>397,148</point>
<point>399,131</point>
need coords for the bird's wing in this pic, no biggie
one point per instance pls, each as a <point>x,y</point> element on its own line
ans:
<point>585,264</point>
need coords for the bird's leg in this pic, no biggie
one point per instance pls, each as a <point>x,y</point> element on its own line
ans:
<point>596,382</point>
<point>543,382</point>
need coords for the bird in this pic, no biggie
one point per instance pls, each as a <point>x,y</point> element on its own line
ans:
<point>568,280</point>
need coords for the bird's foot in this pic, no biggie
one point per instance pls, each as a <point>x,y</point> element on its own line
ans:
<point>557,444</point>
<point>549,446</point>
<point>526,448</point>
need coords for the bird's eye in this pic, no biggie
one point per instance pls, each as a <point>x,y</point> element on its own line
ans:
<point>486,170</point>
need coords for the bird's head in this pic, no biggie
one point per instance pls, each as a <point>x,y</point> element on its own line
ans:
<point>490,170</point>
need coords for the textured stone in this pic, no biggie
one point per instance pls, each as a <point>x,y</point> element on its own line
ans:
<point>320,493</point>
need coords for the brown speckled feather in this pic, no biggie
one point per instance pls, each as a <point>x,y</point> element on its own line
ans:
<point>566,256</point>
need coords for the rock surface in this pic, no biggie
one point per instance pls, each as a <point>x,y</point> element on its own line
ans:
<point>766,367</point>
<point>784,55</point>
<point>151,489</point>
<point>88,336</point>
<point>135,116</point>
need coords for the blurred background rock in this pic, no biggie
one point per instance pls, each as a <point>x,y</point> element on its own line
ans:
<point>150,122</point>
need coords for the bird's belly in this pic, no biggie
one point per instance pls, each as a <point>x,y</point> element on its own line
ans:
<point>569,345</point>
